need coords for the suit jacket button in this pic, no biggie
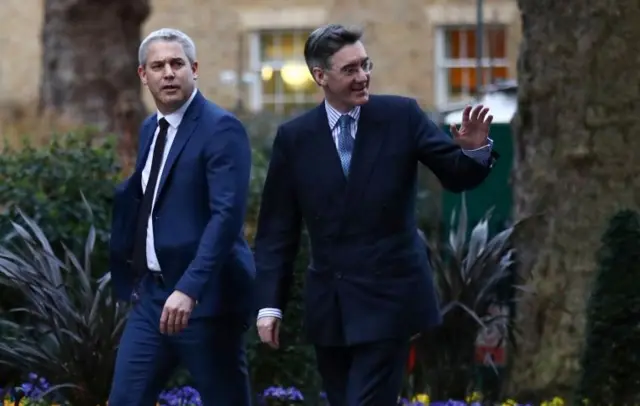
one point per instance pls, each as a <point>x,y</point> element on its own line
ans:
<point>339,275</point>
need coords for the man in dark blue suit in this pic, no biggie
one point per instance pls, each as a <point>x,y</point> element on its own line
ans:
<point>348,170</point>
<point>178,250</point>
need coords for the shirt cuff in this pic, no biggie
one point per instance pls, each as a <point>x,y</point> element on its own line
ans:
<point>482,154</point>
<point>270,312</point>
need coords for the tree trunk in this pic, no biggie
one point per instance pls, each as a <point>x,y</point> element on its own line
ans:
<point>89,62</point>
<point>577,161</point>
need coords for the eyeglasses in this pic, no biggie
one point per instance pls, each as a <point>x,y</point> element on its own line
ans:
<point>352,69</point>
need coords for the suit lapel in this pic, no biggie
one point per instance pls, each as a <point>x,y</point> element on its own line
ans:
<point>325,147</point>
<point>371,133</point>
<point>185,130</point>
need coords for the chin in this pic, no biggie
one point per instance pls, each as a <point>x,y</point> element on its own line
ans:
<point>361,99</point>
<point>176,99</point>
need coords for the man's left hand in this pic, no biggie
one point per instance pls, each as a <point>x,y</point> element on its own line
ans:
<point>474,131</point>
<point>176,312</point>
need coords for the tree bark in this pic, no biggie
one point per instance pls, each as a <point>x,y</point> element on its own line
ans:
<point>89,62</point>
<point>577,161</point>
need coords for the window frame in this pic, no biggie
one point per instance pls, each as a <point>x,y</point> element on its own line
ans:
<point>257,97</point>
<point>442,64</point>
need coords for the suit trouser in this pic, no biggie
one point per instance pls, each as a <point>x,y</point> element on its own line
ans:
<point>212,349</point>
<point>363,375</point>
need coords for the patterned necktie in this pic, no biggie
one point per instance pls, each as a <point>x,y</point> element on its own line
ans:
<point>345,142</point>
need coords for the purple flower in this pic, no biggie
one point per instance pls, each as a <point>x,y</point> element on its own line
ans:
<point>279,393</point>
<point>34,388</point>
<point>183,396</point>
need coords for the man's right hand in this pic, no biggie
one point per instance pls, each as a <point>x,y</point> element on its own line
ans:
<point>269,331</point>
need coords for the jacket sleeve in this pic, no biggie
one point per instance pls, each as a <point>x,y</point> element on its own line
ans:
<point>279,228</point>
<point>456,170</point>
<point>228,171</point>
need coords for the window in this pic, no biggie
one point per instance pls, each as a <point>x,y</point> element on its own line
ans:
<point>457,61</point>
<point>283,83</point>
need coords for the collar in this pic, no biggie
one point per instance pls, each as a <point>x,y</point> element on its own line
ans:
<point>334,115</point>
<point>174,119</point>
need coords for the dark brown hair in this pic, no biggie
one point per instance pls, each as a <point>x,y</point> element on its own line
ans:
<point>325,41</point>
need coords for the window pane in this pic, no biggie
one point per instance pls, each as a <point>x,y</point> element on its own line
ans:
<point>462,81</point>
<point>460,43</point>
<point>285,50</point>
<point>269,77</point>
<point>267,45</point>
<point>298,80</point>
<point>496,38</point>
<point>282,45</point>
<point>286,83</point>
<point>495,73</point>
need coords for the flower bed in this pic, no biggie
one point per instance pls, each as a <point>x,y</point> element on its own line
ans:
<point>29,394</point>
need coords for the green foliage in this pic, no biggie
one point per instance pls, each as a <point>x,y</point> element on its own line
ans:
<point>68,327</point>
<point>611,356</point>
<point>48,183</point>
<point>262,128</point>
<point>473,274</point>
<point>260,164</point>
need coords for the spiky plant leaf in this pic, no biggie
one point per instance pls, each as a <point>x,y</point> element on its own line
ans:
<point>68,327</point>
<point>469,269</point>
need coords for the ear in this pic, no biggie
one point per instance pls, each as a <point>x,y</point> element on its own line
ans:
<point>142,74</point>
<point>194,69</point>
<point>319,76</point>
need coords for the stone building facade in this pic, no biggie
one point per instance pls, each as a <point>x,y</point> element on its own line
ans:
<point>250,51</point>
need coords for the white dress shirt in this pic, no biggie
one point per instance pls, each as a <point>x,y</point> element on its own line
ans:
<point>482,154</point>
<point>174,119</point>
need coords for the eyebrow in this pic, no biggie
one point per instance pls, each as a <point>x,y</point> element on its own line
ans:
<point>358,62</point>
<point>163,61</point>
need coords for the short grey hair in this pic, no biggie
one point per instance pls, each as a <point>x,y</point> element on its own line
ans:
<point>325,41</point>
<point>170,35</point>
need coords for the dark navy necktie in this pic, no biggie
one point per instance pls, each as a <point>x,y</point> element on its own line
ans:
<point>140,242</point>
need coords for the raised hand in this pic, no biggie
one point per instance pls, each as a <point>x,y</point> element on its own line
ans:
<point>474,130</point>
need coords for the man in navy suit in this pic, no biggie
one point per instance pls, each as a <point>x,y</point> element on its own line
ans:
<point>178,250</point>
<point>348,170</point>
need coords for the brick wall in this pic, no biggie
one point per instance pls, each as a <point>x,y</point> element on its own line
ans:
<point>399,36</point>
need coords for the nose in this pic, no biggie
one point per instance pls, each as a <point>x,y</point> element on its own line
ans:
<point>168,71</point>
<point>362,75</point>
